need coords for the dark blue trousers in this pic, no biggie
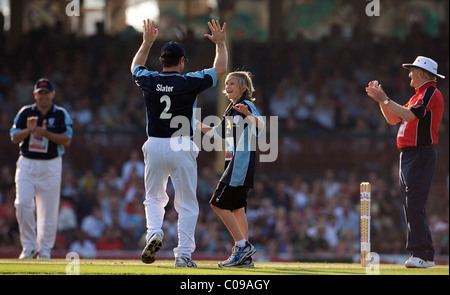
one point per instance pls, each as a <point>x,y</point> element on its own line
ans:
<point>416,174</point>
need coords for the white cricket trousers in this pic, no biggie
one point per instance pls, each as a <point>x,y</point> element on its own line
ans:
<point>38,186</point>
<point>177,158</point>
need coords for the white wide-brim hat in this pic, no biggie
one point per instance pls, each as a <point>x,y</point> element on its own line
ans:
<point>425,63</point>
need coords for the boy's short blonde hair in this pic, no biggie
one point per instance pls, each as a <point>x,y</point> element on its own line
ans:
<point>245,82</point>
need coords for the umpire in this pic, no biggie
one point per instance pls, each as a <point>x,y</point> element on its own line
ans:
<point>418,133</point>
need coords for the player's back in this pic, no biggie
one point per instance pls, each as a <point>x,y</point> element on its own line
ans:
<point>170,94</point>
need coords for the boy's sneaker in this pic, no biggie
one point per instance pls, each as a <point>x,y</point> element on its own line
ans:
<point>238,256</point>
<point>152,246</point>
<point>184,261</point>
<point>415,262</point>
<point>430,263</point>
<point>246,263</point>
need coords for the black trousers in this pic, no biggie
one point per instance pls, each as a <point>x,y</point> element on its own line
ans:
<point>417,168</point>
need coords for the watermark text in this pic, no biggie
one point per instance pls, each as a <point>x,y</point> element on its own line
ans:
<point>73,8</point>
<point>248,137</point>
<point>373,8</point>
<point>73,267</point>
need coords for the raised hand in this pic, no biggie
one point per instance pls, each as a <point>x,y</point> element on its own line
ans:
<point>218,34</point>
<point>150,32</point>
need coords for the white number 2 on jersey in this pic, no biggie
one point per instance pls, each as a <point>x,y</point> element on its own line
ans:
<point>165,114</point>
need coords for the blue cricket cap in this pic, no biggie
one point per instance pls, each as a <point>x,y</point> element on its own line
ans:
<point>43,84</point>
<point>173,49</point>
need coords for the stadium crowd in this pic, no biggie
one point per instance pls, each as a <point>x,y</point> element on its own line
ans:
<point>318,89</point>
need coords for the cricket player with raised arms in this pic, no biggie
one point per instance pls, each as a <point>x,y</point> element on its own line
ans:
<point>169,94</point>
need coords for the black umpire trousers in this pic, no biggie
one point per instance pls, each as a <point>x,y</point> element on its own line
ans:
<point>417,168</point>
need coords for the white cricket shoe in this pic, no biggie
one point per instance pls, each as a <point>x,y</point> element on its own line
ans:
<point>153,245</point>
<point>43,255</point>
<point>28,254</point>
<point>416,262</point>
<point>430,263</point>
<point>184,261</point>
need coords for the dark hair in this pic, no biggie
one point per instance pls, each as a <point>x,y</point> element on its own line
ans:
<point>168,61</point>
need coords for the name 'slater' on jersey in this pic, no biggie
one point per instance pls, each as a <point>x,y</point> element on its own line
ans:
<point>171,94</point>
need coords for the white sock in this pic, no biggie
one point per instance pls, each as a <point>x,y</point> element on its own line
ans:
<point>240,243</point>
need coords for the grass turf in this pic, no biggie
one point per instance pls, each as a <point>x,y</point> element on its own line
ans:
<point>165,267</point>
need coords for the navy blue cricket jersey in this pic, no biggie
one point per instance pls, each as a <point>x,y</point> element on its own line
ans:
<point>170,94</point>
<point>240,145</point>
<point>34,147</point>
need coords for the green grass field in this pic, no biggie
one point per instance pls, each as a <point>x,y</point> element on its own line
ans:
<point>165,267</point>
<point>271,278</point>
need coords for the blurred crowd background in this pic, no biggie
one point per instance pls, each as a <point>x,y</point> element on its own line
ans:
<point>331,136</point>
